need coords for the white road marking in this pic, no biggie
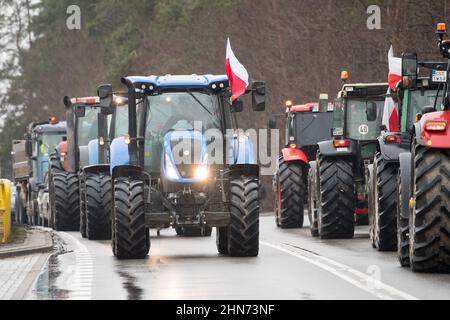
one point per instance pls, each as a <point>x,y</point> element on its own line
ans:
<point>352,276</point>
<point>80,283</point>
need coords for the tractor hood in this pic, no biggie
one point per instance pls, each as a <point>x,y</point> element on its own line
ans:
<point>184,157</point>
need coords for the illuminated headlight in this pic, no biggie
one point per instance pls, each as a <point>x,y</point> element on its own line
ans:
<point>101,141</point>
<point>63,154</point>
<point>242,138</point>
<point>171,171</point>
<point>214,86</point>
<point>127,139</point>
<point>221,85</point>
<point>201,173</point>
<point>119,100</point>
<point>143,87</point>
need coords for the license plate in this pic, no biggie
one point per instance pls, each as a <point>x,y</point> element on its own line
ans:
<point>342,149</point>
<point>439,76</point>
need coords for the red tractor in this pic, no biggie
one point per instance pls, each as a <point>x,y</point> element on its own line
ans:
<point>306,125</point>
<point>424,176</point>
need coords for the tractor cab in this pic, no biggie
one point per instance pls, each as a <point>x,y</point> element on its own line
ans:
<point>44,138</point>
<point>357,118</point>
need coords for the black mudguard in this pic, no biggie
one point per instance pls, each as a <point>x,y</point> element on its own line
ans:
<point>245,169</point>
<point>101,168</point>
<point>389,152</point>
<point>406,174</point>
<point>126,171</point>
<point>327,148</point>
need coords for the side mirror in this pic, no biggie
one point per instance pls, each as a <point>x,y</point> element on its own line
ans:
<point>28,147</point>
<point>237,106</point>
<point>272,122</point>
<point>259,96</point>
<point>409,69</point>
<point>105,93</point>
<point>371,111</point>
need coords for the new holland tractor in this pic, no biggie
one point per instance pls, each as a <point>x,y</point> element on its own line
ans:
<point>337,180</point>
<point>424,176</point>
<point>30,166</point>
<point>185,166</point>
<point>80,194</point>
<point>306,125</point>
<point>410,97</point>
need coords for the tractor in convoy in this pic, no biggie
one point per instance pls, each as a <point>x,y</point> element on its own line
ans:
<point>337,179</point>
<point>30,166</point>
<point>186,167</point>
<point>388,228</point>
<point>423,185</point>
<point>80,193</point>
<point>306,125</point>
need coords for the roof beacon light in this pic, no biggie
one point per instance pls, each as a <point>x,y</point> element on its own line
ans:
<point>441,28</point>
<point>53,120</point>
<point>344,75</point>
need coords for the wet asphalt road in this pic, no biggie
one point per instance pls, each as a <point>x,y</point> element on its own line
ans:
<point>291,265</point>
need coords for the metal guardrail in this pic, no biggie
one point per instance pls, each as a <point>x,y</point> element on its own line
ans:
<point>5,210</point>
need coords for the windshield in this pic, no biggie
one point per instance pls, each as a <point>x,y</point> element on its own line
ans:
<point>88,126</point>
<point>360,126</point>
<point>177,111</point>
<point>423,98</point>
<point>49,141</point>
<point>121,121</point>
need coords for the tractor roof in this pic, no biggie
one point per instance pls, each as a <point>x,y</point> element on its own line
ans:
<point>363,89</point>
<point>180,80</point>
<point>49,128</point>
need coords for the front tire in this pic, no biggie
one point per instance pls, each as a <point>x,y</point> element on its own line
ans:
<point>66,201</point>
<point>98,206</point>
<point>430,221</point>
<point>337,198</point>
<point>384,226</point>
<point>130,236</point>
<point>243,232</point>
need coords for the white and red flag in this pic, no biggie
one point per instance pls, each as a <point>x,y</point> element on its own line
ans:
<point>390,114</point>
<point>237,74</point>
<point>395,70</point>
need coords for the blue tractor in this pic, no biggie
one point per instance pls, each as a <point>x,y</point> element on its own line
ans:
<point>30,166</point>
<point>80,197</point>
<point>182,164</point>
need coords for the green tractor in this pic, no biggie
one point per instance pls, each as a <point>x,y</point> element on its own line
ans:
<point>337,180</point>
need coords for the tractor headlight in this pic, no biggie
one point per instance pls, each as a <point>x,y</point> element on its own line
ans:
<point>201,173</point>
<point>171,171</point>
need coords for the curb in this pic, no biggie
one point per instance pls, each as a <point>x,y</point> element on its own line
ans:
<point>24,250</point>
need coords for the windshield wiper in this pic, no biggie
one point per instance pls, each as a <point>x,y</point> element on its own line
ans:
<point>199,102</point>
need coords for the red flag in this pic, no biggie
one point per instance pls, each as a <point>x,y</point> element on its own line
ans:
<point>237,74</point>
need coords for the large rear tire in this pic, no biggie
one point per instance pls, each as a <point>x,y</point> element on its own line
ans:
<point>291,194</point>
<point>243,236</point>
<point>98,206</point>
<point>337,198</point>
<point>130,236</point>
<point>66,201</point>
<point>430,220</point>
<point>384,226</point>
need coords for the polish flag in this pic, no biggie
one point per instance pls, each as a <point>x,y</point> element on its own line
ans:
<point>237,74</point>
<point>395,70</point>
<point>390,114</point>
